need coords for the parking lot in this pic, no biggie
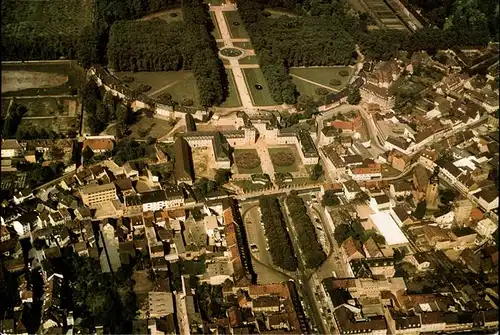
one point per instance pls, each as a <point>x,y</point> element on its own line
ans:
<point>256,236</point>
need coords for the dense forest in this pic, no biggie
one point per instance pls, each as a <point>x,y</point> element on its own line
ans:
<point>157,46</point>
<point>311,248</point>
<point>145,46</point>
<point>275,229</point>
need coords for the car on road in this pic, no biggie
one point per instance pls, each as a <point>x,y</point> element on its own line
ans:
<point>254,248</point>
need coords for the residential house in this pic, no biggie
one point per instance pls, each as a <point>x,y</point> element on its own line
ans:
<point>399,160</point>
<point>351,189</point>
<point>487,199</point>
<point>99,145</point>
<point>400,189</point>
<point>352,249</point>
<point>380,203</point>
<point>11,148</point>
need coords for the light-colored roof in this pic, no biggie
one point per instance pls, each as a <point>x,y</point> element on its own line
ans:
<point>210,222</point>
<point>11,145</point>
<point>161,303</point>
<point>97,188</point>
<point>388,228</point>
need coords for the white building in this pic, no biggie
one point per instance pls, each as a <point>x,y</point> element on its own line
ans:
<point>386,225</point>
<point>486,227</point>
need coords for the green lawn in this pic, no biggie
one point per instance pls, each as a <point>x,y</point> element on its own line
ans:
<point>323,75</point>
<point>216,31</point>
<point>185,89</point>
<point>145,127</point>
<point>171,15</point>
<point>243,45</point>
<point>180,84</point>
<point>233,100</point>
<point>306,88</point>
<point>259,97</point>
<point>236,31</point>
<point>249,60</point>
<point>283,169</point>
<point>256,170</point>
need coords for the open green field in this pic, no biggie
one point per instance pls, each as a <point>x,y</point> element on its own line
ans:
<point>255,170</point>
<point>248,186</point>
<point>35,79</point>
<point>259,97</point>
<point>323,75</point>
<point>243,45</point>
<point>287,149</point>
<point>169,16</point>
<point>51,17</point>
<point>306,88</point>
<point>253,59</point>
<point>235,30</point>
<point>233,99</point>
<point>180,84</point>
<point>216,31</point>
<point>145,127</point>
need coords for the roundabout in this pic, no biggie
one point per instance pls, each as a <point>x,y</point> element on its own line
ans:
<point>232,52</point>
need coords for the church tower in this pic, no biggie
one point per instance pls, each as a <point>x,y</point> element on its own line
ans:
<point>432,190</point>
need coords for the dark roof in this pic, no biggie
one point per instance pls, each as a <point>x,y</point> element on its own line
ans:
<point>488,195</point>
<point>400,213</point>
<point>398,142</point>
<point>266,301</point>
<point>450,167</point>
<point>337,295</point>
<point>353,159</point>
<point>307,144</point>
<point>190,123</point>
<point>174,192</point>
<point>221,147</point>
<point>348,323</point>
<point>153,196</point>
<point>184,170</point>
<point>124,184</point>
<point>402,186</point>
<point>381,199</point>
<point>352,186</point>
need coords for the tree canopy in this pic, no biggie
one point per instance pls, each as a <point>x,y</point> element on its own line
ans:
<point>306,233</point>
<point>275,229</point>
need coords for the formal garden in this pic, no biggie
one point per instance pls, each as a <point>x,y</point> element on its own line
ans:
<point>247,161</point>
<point>284,160</point>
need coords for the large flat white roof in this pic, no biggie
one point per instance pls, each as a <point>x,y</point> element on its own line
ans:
<point>388,228</point>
